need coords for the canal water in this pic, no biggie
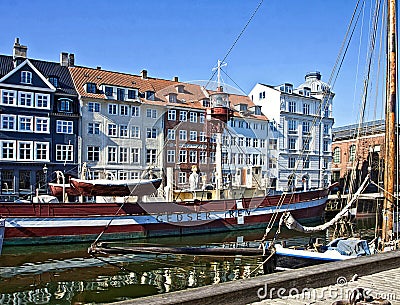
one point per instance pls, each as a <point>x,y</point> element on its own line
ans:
<point>67,274</point>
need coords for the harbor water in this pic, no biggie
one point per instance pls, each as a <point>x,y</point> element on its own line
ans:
<point>67,274</point>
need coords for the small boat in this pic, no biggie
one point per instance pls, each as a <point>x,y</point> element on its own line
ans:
<point>57,189</point>
<point>105,187</point>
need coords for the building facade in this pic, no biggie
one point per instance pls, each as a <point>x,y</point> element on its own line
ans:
<point>39,120</point>
<point>302,120</point>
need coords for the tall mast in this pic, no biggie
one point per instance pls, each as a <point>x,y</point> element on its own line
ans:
<point>391,96</point>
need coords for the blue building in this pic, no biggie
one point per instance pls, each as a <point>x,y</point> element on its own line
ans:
<point>39,122</point>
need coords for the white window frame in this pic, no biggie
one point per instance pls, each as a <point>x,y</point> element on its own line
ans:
<point>12,147</point>
<point>112,130</point>
<point>41,122</point>
<point>123,131</point>
<point>65,127</point>
<point>112,109</point>
<point>112,151</point>
<point>42,101</point>
<point>95,126</point>
<point>26,77</point>
<point>94,150</point>
<point>135,132</point>
<point>135,155</point>
<point>19,144</point>
<point>182,135</point>
<point>47,150</point>
<point>171,134</point>
<point>202,118</point>
<point>10,95</point>
<point>135,111</point>
<point>182,178</point>
<point>64,153</point>
<point>183,116</point>
<point>170,156</point>
<point>171,115</point>
<point>31,123</point>
<point>124,110</point>
<point>192,156</point>
<point>193,135</point>
<point>123,155</point>
<point>94,107</point>
<point>26,95</point>
<point>193,117</point>
<point>15,122</point>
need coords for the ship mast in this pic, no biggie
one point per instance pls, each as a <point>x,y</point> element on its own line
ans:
<point>390,144</point>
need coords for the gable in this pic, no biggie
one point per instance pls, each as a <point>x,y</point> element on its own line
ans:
<point>36,80</point>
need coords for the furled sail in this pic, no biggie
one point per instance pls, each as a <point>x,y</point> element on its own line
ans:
<point>292,224</point>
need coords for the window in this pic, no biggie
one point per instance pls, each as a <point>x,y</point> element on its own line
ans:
<point>54,81</point>
<point>306,144</point>
<point>170,156</point>
<point>193,117</point>
<point>7,150</point>
<point>172,115</point>
<point>135,155</point>
<point>123,175</point>
<point>123,154</point>
<point>240,159</point>
<point>135,175</point>
<point>212,157</point>
<point>248,159</point>
<point>352,153</point>
<point>256,159</point>
<point>202,136</point>
<point>325,145</point>
<point>326,163</point>
<point>26,77</point>
<point>183,116</point>
<point>112,130</point>
<point>172,98</point>
<point>25,99</point>
<point>93,153</point>
<point>25,150</point>
<point>306,108</point>
<point>93,128</point>
<point>150,95</point>
<point>193,135</point>
<point>273,144</point>
<point>203,157</point>
<point>135,111</point>
<point>41,151</point>
<point>292,143</point>
<point>233,158</point>
<point>326,129</point>
<point>123,131</point>
<point>306,127</point>
<point>124,110</point>
<point>64,152</point>
<point>135,132</point>
<point>112,154</point>
<point>255,142</point>
<point>306,162</point>
<point>292,106</point>
<point>240,143</point>
<point>292,162</point>
<point>272,162</point>
<point>213,138</point>
<point>65,105</point>
<point>25,123</point>
<point>64,127</point>
<point>151,113</point>
<point>262,95</point>
<point>336,155</point>
<point>201,118</point>
<point>8,97</point>
<point>292,127</point>
<point>192,156</point>
<point>8,122</point>
<point>42,100</point>
<point>131,94</point>
<point>262,143</point>
<point>42,125</point>
<point>91,88</point>
<point>120,94</point>
<point>93,107</point>
<point>171,134</point>
<point>151,155</point>
<point>113,109</point>
<point>248,142</point>
<point>182,156</point>
<point>182,178</point>
<point>151,133</point>
<point>108,91</point>
<point>182,135</point>
<point>225,141</point>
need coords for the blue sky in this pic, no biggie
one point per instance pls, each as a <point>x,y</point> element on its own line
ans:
<point>285,40</point>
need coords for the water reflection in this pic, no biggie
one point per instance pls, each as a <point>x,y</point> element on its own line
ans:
<point>68,275</point>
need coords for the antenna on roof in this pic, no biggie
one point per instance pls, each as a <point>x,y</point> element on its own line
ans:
<point>218,68</point>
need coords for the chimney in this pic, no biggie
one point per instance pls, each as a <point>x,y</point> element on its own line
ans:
<point>98,67</point>
<point>71,60</point>
<point>19,52</point>
<point>176,79</point>
<point>64,59</point>
<point>144,74</point>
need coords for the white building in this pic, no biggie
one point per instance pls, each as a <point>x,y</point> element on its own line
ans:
<point>303,120</point>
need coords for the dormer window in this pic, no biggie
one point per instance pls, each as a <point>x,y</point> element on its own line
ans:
<point>180,88</point>
<point>150,95</point>
<point>288,88</point>
<point>64,105</point>
<point>26,77</point>
<point>54,81</point>
<point>132,94</point>
<point>108,91</point>
<point>120,94</point>
<point>257,110</point>
<point>172,98</point>
<point>91,88</point>
<point>206,103</point>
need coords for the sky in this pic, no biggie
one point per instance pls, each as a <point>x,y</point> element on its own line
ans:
<point>185,38</point>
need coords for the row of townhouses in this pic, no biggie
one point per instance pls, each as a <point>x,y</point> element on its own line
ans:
<point>57,116</point>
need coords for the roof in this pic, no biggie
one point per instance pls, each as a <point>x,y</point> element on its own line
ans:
<point>236,99</point>
<point>47,68</point>
<point>366,128</point>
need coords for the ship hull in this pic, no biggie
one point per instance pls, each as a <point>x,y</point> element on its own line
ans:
<point>71,222</point>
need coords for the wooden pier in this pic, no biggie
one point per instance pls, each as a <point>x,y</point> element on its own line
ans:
<point>381,272</point>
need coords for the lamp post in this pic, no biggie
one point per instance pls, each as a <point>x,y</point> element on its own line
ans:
<point>45,177</point>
